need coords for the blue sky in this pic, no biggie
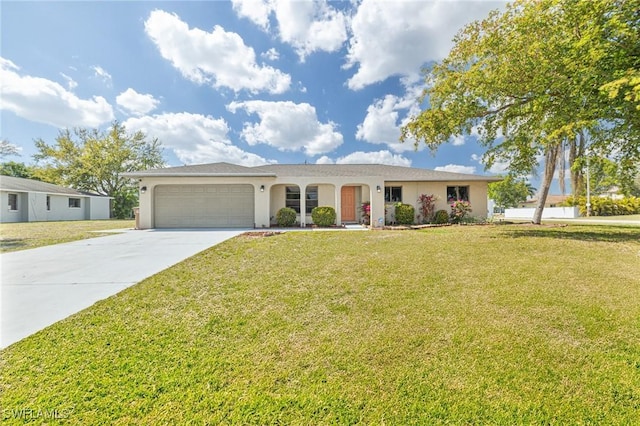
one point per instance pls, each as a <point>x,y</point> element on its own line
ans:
<point>247,82</point>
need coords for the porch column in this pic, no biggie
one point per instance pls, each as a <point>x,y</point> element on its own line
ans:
<point>303,206</point>
<point>377,205</point>
<point>262,207</point>
<point>338,191</point>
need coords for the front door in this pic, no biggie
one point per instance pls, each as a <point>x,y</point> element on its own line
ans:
<point>348,204</point>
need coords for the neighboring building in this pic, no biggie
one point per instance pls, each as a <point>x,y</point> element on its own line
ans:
<point>227,195</point>
<point>551,201</point>
<point>27,200</point>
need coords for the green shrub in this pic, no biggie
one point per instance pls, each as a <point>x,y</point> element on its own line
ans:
<point>286,216</point>
<point>441,216</point>
<point>323,216</point>
<point>601,206</point>
<point>405,214</point>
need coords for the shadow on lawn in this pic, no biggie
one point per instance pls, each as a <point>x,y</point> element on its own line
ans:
<point>609,234</point>
<point>7,244</point>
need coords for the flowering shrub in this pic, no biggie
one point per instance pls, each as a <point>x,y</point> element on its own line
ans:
<point>427,206</point>
<point>459,210</point>
<point>366,212</point>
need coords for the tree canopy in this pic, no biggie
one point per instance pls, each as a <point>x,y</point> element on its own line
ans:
<point>510,191</point>
<point>538,78</point>
<point>7,149</point>
<point>94,160</point>
<point>12,168</point>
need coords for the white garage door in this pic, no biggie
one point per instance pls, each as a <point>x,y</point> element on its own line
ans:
<point>204,206</point>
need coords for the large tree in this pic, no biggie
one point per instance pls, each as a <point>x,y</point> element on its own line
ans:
<point>539,78</point>
<point>94,160</point>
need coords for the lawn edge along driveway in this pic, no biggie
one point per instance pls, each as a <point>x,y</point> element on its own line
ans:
<point>47,284</point>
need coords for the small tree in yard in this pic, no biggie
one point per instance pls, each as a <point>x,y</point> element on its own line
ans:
<point>427,207</point>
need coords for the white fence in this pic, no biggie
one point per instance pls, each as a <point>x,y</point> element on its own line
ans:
<point>547,213</point>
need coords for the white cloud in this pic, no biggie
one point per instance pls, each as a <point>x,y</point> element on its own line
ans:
<point>288,126</point>
<point>382,123</point>
<point>103,75</point>
<point>497,168</point>
<point>360,157</point>
<point>71,83</point>
<point>137,103</point>
<point>456,168</point>
<point>45,101</point>
<point>257,11</point>
<point>397,38</point>
<point>194,138</point>
<point>271,54</point>
<point>305,25</point>
<point>325,160</point>
<point>219,58</point>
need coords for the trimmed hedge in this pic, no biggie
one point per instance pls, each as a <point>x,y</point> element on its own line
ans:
<point>601,206</point>
<point>405,214</point>
<point>323,216</point>
<point>286,216</point>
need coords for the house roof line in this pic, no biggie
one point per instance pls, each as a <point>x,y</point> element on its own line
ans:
<point>187,174</point>
<point>381,171</point>
<point>16,184</point>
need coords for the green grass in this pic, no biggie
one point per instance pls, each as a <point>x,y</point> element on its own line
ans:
<point>635,217</point>
<point>21,236</point>
<point>457,325</point>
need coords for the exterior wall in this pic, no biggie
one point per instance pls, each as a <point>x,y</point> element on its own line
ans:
<point>262,201</point>
<point>9,216</point>
<point>268,203</point>
<point>32,207</point>
<point>547,213</point>
<point>412,190</point>
<point>98,208</point>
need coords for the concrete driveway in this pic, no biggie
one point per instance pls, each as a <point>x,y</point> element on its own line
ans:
<point>44,285</point>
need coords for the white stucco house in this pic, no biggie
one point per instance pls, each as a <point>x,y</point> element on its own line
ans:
<point>229,195</point>
<point>27,200</point>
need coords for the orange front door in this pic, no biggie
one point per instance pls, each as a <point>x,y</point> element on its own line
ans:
<point>348,204</point>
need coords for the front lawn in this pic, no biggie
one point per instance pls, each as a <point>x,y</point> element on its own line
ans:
<point>513,324</point>
<point>27,235</point>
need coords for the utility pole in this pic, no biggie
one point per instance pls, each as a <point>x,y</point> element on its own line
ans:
<point>588,188</point>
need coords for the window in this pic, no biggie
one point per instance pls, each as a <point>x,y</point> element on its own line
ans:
<point>74,203</point>
<point>392,194</point>
<point>457,193</point>
<point>293,198</point>
<point>311,198</point>
<point>13,202</point>
<point>48,203</point>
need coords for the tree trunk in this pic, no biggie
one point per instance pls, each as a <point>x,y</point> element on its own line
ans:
<point>551,157</point>
<point>576,150</point>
